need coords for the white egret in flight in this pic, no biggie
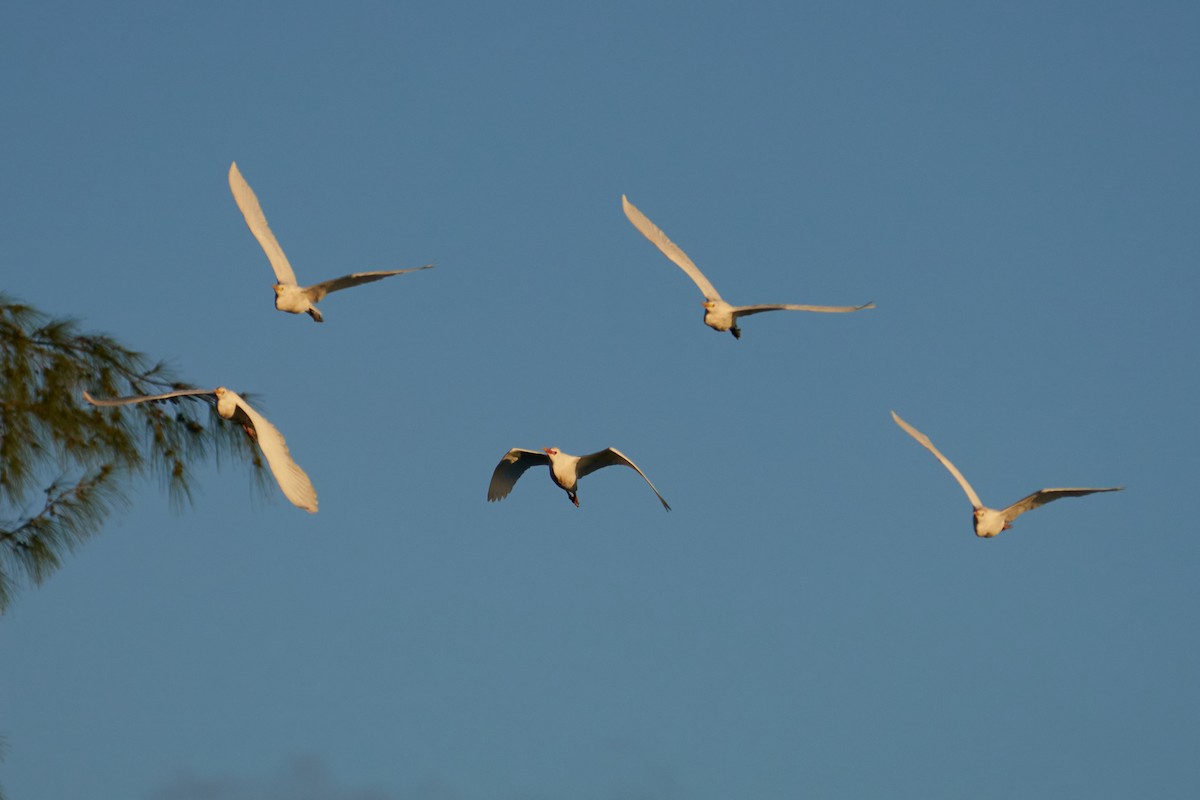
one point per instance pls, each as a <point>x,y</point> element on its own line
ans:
<point>718,314</point>
<point>291,479</point>
<point>288,295</point>
<point>989,521</point>
<point>565,470</point>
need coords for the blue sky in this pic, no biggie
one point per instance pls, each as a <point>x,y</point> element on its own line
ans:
<point>1016,188</point>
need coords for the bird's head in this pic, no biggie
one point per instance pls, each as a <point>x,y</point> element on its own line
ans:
<point>550,451</point>
<point>709,305</point>
<point>278,287</point>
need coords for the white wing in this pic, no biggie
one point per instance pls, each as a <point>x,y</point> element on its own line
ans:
<point>319,290</point>
<point>923,439</point>
<point>669,248</point>
<point>745,311</point>
<point>1043,496</point>
<point>124,401</point>
<point>291,479</point>
<point>239,417</point>
<point>613,457</point>
<point>510,468</point>
<point>243,195</point>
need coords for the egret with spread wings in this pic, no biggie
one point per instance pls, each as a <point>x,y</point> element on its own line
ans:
<point>989,521</point>
<point>565,470</point>
<point>291,479</point>
<point>718,314</point>
<point>289,296</point>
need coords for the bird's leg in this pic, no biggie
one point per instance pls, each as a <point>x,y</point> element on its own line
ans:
<point>316,315</point>
<point>736,331</point>
<point>574,498</point>
<point>249,429</point>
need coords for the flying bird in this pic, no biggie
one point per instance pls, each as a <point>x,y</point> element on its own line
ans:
<point>289,296</point>
<point>291,479</point>
<point>989,521</point>
<point>718,314</point>
<point>565,470</point>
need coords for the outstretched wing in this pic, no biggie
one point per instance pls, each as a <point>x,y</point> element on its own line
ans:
<point>669,248</point>
<point>143,398</point>
<point>510,468</point>
<point>613,457</point>
<point>256,221</point>
<point>1043,496</point>
<point>924,440</point>
<point>291,479</point>
<point>319,290</point>
<point>745,311</point>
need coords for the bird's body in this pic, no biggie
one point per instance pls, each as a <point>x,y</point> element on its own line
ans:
<point>989,522</point>
<point>295,300</point>
<point>289,296</point>
<point>292,480</point>
<point>565,470</point>
<point>718,314</point>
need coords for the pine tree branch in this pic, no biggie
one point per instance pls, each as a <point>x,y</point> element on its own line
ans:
<point>46,431</point>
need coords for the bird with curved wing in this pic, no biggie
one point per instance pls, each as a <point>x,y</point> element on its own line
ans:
<point>718,314</point>
<point>289,296</point>
<point>292,480</point>
<point>565,470</point>
<point>990,521</point>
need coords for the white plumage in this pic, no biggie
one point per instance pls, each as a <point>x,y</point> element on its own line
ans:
<point>289,296</point>
<point>565,470</point>
<point>990,521</point>
<point>718,314</point>
<point>291,478</point>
